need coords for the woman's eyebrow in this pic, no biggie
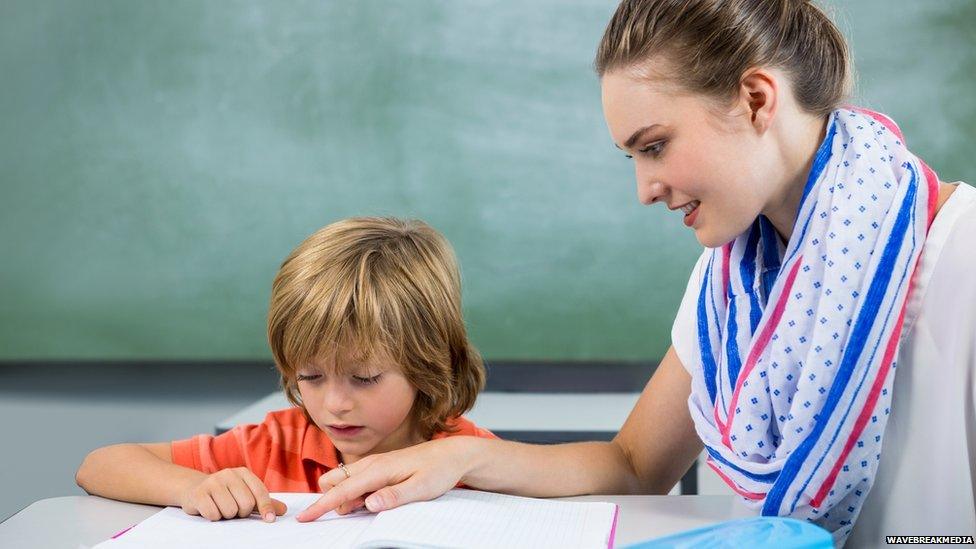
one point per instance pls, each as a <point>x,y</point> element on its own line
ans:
<point>637,135</point>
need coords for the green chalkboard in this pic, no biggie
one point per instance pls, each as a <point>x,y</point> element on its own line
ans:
<point>159,159</point>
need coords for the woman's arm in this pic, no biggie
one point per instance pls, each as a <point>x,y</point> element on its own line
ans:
<point>654,448</point>
<point>140,473</point>
<point>659,436</point>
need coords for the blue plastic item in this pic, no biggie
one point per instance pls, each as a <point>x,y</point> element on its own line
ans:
<point>758,532</point>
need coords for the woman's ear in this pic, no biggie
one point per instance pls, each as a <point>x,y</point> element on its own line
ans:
<point>758,95</point>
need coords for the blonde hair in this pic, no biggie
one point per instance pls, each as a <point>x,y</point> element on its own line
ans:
<point>365,284</point>
<point>712,43</point>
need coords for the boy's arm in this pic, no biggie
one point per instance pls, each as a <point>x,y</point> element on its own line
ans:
<point>140,473</point>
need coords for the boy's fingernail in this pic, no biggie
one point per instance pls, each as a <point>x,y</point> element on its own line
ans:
<point>374,503</point>
<point>269,517</point>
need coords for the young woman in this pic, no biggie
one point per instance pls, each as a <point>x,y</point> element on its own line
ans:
<point>833,255</point>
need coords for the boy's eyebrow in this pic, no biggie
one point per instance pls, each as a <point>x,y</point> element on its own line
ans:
<point>310,368</point>
<point>637,135</point>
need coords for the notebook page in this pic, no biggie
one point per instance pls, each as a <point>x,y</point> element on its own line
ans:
<point>171,527</point>
<point>473,519</point>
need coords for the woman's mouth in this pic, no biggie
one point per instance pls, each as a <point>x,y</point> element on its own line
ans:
<point>344,431</point>
<point>691,212</point>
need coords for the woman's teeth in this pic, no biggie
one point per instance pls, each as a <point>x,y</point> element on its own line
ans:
<point>690,207</point>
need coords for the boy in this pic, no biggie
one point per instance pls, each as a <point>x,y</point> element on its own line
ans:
<point>366,331</point>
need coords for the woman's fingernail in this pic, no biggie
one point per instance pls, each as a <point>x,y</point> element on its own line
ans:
<point>269,517</point>
<point>374,503</point>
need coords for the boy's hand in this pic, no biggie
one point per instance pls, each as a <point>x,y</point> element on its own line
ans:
<point>231,493</point>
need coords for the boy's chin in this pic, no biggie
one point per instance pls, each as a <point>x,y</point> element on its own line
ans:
<point>356,450</point>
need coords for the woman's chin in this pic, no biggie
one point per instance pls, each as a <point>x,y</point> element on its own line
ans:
<point>711,239</point>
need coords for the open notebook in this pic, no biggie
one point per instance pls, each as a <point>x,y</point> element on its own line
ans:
<point>459,518</point>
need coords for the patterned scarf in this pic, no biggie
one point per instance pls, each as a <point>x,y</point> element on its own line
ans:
<point>797,343</point>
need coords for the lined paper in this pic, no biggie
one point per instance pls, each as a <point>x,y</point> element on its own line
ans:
<point>171,528</point>
<point>473,519</point>
<point>459,518</point>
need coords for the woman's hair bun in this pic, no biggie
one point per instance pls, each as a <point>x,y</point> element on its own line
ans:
<point>711,43</point>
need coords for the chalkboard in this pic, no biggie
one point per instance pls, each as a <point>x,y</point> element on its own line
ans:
<point>158,160</point>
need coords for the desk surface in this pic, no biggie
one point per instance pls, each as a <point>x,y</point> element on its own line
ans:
<point>83,521</point>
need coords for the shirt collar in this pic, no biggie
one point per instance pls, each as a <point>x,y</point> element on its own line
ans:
<point>317,447</point>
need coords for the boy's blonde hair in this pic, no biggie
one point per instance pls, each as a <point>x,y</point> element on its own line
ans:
<point>365,284</point>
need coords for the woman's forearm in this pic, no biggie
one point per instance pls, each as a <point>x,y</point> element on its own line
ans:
<point>550,470</point>
<point>130,472</point>
<point>653,449</point>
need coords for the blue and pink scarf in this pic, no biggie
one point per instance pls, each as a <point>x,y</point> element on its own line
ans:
<point>797,343</point>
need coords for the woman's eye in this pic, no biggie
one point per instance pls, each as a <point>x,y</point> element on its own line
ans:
<point>309,377</point>
<point>367,380</point>
<point>654,149</point>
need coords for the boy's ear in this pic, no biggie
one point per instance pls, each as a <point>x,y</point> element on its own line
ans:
<point>758,95</point>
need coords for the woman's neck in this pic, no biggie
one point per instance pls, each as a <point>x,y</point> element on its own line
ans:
<point>798,156</point>
<point>799,143</point>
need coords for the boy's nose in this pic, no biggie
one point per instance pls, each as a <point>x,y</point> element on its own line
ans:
<point>337,400</point>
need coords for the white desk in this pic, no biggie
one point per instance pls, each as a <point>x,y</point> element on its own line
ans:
<point>83,521</point>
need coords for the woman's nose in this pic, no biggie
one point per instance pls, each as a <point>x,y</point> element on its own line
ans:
<point>649,187</point>
<point>649,192</point>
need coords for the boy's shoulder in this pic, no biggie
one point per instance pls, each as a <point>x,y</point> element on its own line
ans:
<point>282,427</point>
<point>290,417</point>
<point>462,426</point>
<point>289,424</point>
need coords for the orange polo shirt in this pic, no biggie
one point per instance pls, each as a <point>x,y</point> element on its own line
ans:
<point>285,451</point>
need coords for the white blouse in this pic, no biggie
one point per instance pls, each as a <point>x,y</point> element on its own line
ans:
<point>926,481</point>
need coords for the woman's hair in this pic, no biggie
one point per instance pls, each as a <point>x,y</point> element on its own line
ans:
<point>366,284</point>
<point>712,43</point>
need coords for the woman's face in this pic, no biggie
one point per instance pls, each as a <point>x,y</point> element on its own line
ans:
<point>701,163</point>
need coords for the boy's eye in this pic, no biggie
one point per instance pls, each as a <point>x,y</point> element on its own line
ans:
<point>308,377</point>
<point>367,380</point>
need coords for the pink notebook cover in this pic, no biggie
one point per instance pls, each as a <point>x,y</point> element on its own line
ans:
<point>613,529</point>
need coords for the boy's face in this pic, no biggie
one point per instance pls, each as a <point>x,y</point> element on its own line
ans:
<point>365,410</point>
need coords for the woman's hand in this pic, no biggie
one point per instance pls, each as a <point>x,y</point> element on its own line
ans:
<point>385,481</point>
<point>654,448</point>
<point>230,493</point>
